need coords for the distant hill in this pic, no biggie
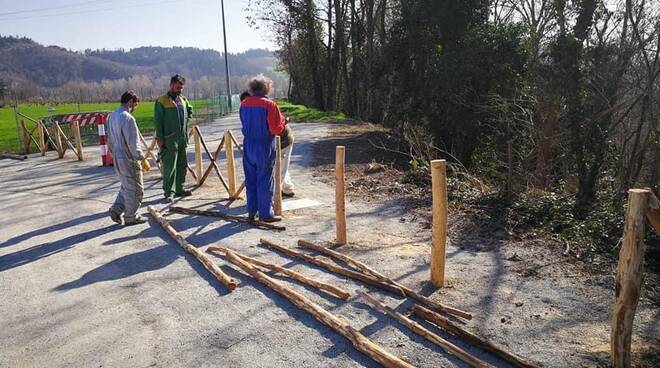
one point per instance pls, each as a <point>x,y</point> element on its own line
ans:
<point>27,62</point>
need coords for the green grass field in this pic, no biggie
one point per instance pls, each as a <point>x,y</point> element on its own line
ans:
<point>303,113</point>
<point>144,116</point>
<point>204,109</point>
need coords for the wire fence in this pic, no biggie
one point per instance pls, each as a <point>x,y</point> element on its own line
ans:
<point>205,111</point>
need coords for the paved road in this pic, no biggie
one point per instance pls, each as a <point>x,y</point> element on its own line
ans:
<point>78,290</point>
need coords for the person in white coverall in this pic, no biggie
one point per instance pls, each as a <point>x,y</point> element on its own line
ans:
<point>287,144</point>
<point>124,145</point>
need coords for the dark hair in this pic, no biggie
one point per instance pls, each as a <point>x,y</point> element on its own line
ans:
<point>244,95</point>
<point>177,79</point>
<point>129,96</point>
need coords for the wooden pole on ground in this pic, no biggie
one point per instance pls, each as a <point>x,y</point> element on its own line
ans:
<point>231,166</point>
<point>332,267</point>
<point>468,336</point>
<point>380,277</point>
<point>341,256</point>
<point>213,268</point>
<point>277,201</point>
<point>439,242</point>
<point>224,216</point>
<point>340,187</point>
<point>336,291</point>
<point>42,138</point>
<point>422,331</point>
<point>199,170</point>
<point>361,343</point>
<point>79,146</point>
<point>629,277</point>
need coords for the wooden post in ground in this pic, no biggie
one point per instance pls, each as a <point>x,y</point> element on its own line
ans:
<point>42,138</point>
<point>231,168</point>
<point>340,187</point>
<point>198,157</point>
<point>76,133</point>
<point>439,242</point>
<point>629,277</point>
<point>58,139</point>
<point>277,205</point>
<point>25,139</point>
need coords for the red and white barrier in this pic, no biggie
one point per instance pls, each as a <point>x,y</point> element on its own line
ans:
<point>85,118</point>
<point>106,157</point>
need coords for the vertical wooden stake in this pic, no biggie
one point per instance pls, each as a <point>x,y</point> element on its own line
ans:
<point>277,206</point>
<point>199,170</point>
<point>42,138</point>
<point>58,140</point>
<point>629,277</point>
<point>439,243</point>
<point>25,138</point>
<point>340,187</point>
<point>76,133</point>
<point>231,168</point>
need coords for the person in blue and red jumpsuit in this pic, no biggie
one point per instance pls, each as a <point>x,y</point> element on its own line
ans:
<point>261,121</point>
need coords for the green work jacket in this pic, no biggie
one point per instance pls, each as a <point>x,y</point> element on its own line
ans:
<point>166,119</point>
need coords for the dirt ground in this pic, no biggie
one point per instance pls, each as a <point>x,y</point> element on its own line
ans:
<point>78,290</point>
<point>377,172</point>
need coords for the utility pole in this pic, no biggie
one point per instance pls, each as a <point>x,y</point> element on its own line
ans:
<point>224,36</point>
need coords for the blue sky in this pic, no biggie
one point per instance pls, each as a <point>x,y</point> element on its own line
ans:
<point>112,24</point>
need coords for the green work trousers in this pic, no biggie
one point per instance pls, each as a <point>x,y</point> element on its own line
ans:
<point>174,164</point>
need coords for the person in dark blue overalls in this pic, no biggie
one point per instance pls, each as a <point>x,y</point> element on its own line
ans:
<point>261,121</point>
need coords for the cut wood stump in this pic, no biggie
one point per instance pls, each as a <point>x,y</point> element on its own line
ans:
<point>208,263</point>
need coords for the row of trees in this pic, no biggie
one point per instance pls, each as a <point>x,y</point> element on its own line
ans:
<point>148,88</point>
<point>542,93</point>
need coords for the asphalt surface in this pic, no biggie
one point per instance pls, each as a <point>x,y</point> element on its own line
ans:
<point>78,290</point>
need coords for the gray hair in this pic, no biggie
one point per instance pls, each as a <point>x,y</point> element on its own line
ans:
<point>260,84</point>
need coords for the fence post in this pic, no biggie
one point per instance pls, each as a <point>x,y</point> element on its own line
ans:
<point>79,146</point>
<point>231,168</point>
<point>198,157</point>
<point>58,139</point>
<point>277,207</point>
<point>42,138</point>
<point>340,199</point>
<point>25,138</point>
<point>439,241</point>
<point>629,277</point>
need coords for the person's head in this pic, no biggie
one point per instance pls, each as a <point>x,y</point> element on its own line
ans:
<point>259,85</point>
<point>177,83</point>
<point>244,95</point>
<point>130,100</point>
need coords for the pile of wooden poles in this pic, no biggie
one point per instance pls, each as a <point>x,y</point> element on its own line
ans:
<point>356,270</point>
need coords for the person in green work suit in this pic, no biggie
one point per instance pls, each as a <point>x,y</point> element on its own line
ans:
<point>172,112</point>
